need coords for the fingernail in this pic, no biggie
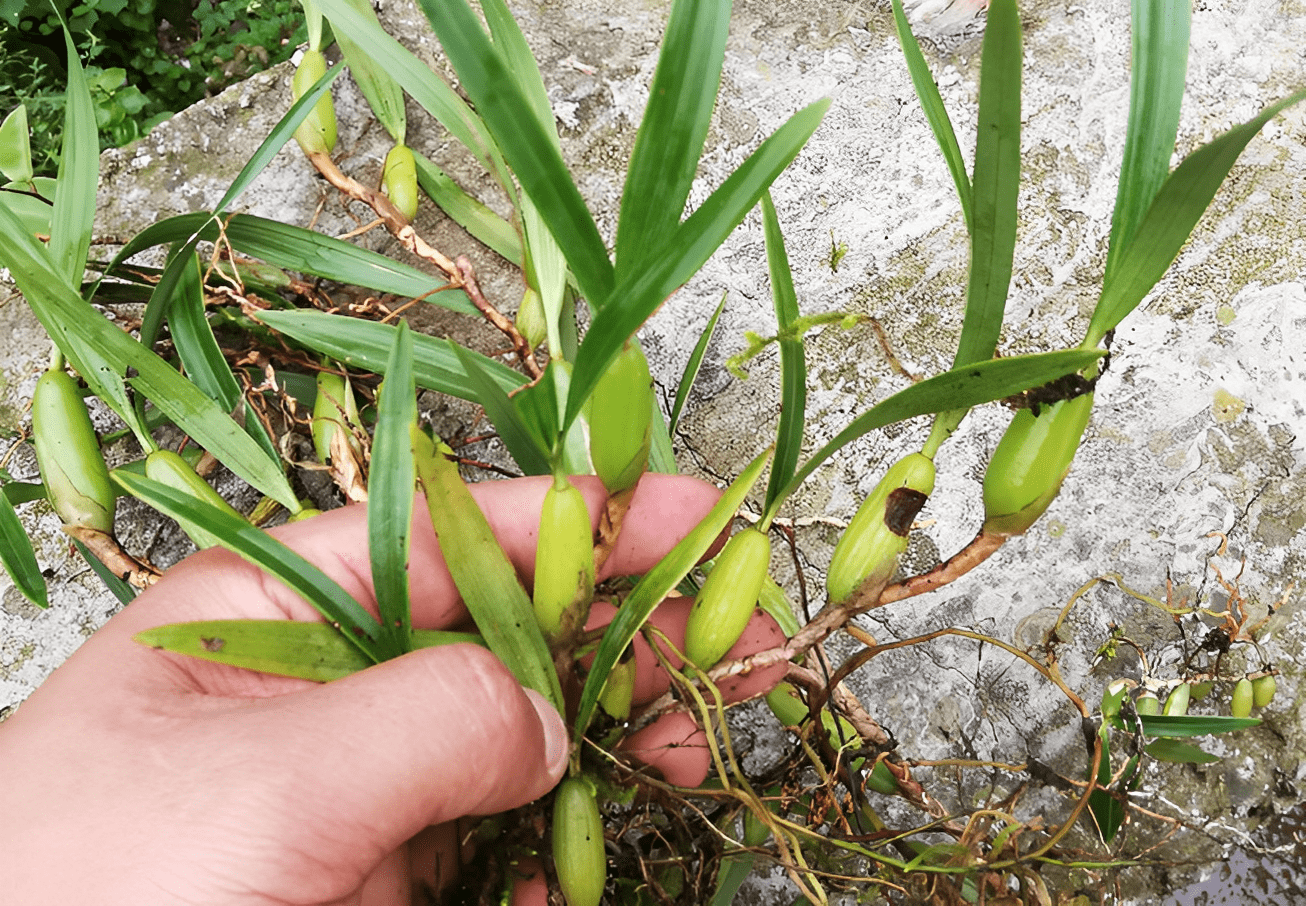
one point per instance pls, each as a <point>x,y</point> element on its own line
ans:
<point>555,733</point>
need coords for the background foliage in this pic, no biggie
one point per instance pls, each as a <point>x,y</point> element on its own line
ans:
<point>145,59</point>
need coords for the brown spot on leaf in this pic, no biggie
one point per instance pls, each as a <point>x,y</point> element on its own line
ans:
<point>212,644</point>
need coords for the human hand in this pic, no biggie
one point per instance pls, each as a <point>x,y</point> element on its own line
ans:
<point>137,776</point>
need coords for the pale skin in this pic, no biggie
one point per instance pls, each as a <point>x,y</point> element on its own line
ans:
<point>136,776</point>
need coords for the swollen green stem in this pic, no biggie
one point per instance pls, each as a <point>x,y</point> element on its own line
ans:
<point>335,412</point>
<point>68,454</point>
<point>317,133</point>
<point>564,562</point>
<point>400,178</point>
<point>578,851</point>
<point>1030,463</point>
<point>621,420</point>
<point>869,548</point>
<point>728,597</point>
<point>168,468</point>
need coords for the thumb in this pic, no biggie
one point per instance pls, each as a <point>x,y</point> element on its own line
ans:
<point>377,756</point>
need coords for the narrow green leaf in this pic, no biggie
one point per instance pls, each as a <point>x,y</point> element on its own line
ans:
<point>18,557</point>
<point>935,113</point>
<point>311,651</point>
<point>548,272</point>
<point>298,249</point>
<point>273,557</point>
<point>996,185</point>
<point>365,345</point>
<point>793,363</point>
<point>170,283</point>
<point>1158,66</point>
<point>1172,750</point>
<point>1108,812</point>
<point>180,228</point>
<point>474,217</point>
<point>390,487</point>
<point>198,350</point>
<point>529,450</point>
<point>690,374</point>
<point>661,457</point>
<point>17,492</point>
<point>657,583</point>
<point>281,133</point>
<point>775,602</point>
<point>524,141</point>
<point>940,854</point>
<point>960,388</point>
<point>1170,218</point>
<point>72,219</point>
<point>123,591</point>
<point>538,406</point>
<point>671,135</point>
<point>79,175</point>
<point>69,319</point>
<point>697,238</point>
<point>511,43</point>
<point>485,579</point>
<point>378,86</point>
<point>92,362</point>
<point>735,869</point>
<point>1186,725</point>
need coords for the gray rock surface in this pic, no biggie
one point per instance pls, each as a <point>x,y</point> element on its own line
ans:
<point>1198,422</point>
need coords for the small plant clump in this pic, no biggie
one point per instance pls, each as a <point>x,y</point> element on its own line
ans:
<point>657,805</point>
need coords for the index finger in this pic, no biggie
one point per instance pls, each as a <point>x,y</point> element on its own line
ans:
<point>221,585</point>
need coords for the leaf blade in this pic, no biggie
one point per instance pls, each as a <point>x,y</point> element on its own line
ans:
<point>529,449</point>
<point>927,91</point>
<point>390,485</point>
<point>524,141</point>
<point>18,557</point>
<point>262,550</point>
<point>73,219</point>
<point>486,580</point>
<point>695,362</point>
<point>124,592</point>
<point>670,137</point>
<point>310,651</point>
<point>366,344</point>
<point>280,134</point>
<point>793,362</point>
<point>1182,726</point>
<point>295,248</point>
<point>483,224</point>
<point>1159,65</point>
<point>196,346</point>
<point>995,185</point>
<point>635,299</point>
<point>1176,752</point>
<point>1170,219</point>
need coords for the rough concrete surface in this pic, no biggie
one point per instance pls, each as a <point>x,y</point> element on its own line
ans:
<point>1197,426</point>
